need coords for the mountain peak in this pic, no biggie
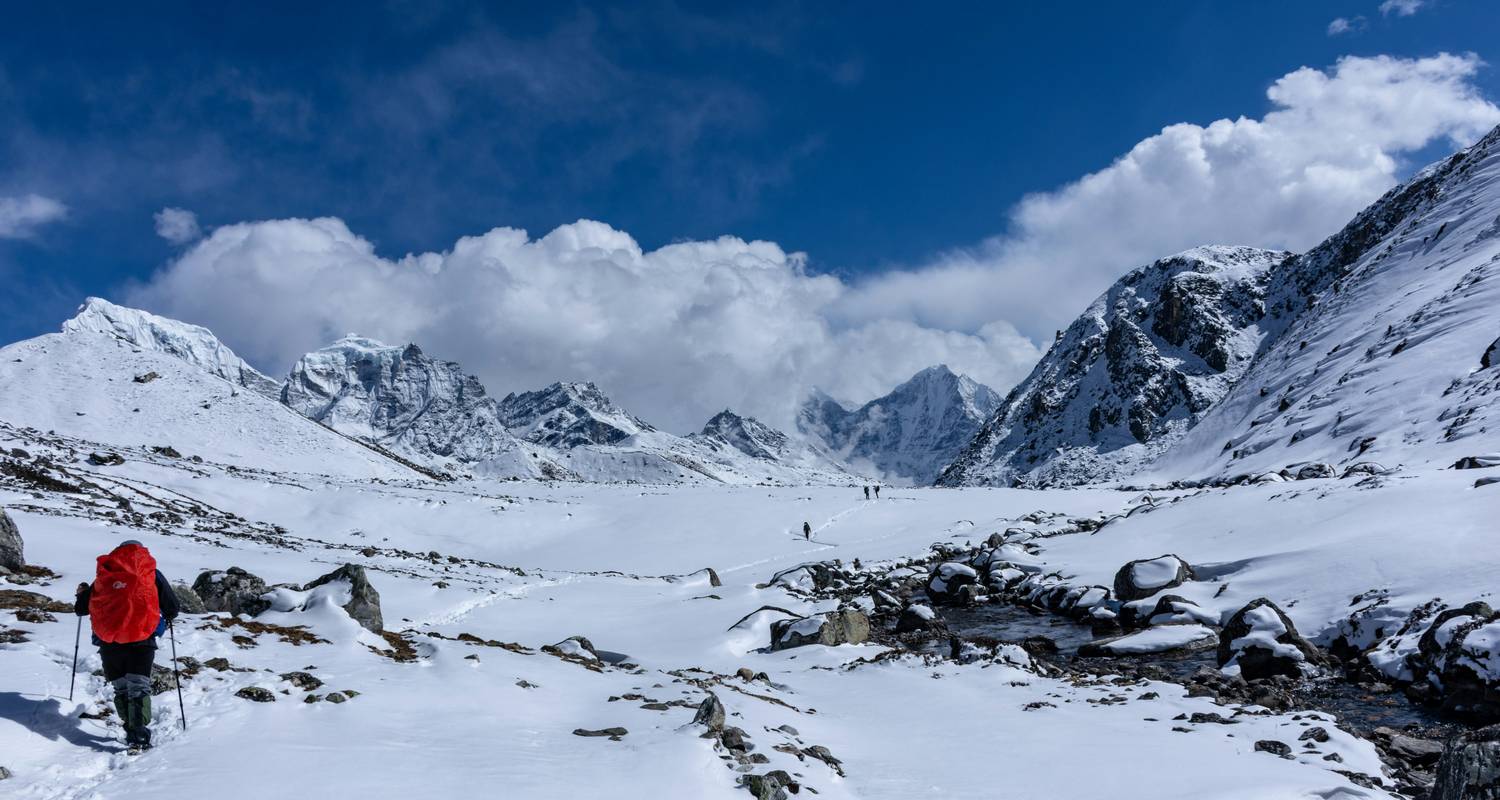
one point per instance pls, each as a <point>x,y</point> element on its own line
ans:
<point>569,414</point>
<point>190,343</point>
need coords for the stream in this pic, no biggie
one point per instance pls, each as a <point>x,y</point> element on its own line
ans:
<point>1358,709</point>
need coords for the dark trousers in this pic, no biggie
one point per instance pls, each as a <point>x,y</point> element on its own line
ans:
<point>121,660</point>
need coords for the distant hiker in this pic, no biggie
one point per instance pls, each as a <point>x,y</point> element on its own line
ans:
<point>129,605</point>
<point>867,493</point>
<point>806,531</point>
<point>877,491</point>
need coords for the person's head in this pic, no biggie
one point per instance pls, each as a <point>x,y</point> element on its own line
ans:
<point>130,543</point>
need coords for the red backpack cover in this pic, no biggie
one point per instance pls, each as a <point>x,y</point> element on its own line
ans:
<point>124,607</point>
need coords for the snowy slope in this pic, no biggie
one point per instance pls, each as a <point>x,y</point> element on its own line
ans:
<point>908,435</point>
<point>1381,335</point>
<point>401,399</point>
<point>100,387</point>
<point>190,343</point>
<point>1130,375</point>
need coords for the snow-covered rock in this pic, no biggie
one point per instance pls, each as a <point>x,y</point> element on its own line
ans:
<point>846,626</point>
<point>917,617</point>
<point>908,435</point>
<point>1261,641</point>
<point>1130,376</point>
<point>232,591</point>
<point>952,583</point>
<point>192,344</point>
<point>1161,639</point>
<point>568,415</point>
<point>401,399</point>
<point>1145,577</point>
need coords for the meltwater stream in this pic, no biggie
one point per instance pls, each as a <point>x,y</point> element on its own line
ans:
<point>1357,708</point>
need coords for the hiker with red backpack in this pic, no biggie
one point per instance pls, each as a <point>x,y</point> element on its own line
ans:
<point>129,604</point>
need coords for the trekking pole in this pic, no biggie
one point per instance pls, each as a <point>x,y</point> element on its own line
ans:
<point>73,676</point>
<point>177,676</point>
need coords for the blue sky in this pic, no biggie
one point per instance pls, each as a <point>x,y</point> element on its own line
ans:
<point>878,140</point>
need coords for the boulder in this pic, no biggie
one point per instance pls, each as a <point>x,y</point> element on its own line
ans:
<point>1316,469</point>
<point>847,626</point>
<point>1262,641</point>
<point>233,591</point>
<point>1491,355</point>
<point>917,617</point>
<point>710,713</point>
<point>771,786</point>
<point>12,549</point>
<point>1364,468</point>
<point>952,583</point>
<point>1478,462</point>
<point>1174,609</point>
<point>1470,767</point>
<point>364,602</point>
<point>1162,639</point>
<point>1142,578</point>
<point>1468,671</point>
<point>188,600</point>
<point>256,694</point>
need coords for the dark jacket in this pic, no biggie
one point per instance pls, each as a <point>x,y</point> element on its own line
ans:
<point>165,598</point>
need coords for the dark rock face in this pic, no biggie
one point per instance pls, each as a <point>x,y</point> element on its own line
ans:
<point>233,591</point>
<point>846,626</point>
<point>771,786</point>
<point>568,415</point>
<point>1274,747</point>
<point>1262,640</point>
<point>1138,368</point>
<point>106,459</point>
<point>302,680</point>
<point>364,601</point>
<point>710,713</point>
<point>1470,767</point>
<point>12,549</point>
<point>1491,355</point>
<point>1144,577</point>
<point>188,600</point>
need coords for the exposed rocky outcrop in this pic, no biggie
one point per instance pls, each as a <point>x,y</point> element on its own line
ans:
<point>1145,577</point>
<point>846,626</point>
<point>12,548</point>
<point>233,591</point>
<point>1262,641</point>
<point>363,603</point>
<point>1470,767</point>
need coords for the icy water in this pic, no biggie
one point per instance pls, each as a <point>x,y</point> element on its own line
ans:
<point>1356,707</point>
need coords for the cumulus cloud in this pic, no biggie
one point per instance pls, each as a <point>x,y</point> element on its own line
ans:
<point>683,331</point>
<point>674,334</point>
<point>20,216</point>
<point>1401,8</point>
<point>1343,25</point>
<point>1333,142</point>
<point>177,225</point>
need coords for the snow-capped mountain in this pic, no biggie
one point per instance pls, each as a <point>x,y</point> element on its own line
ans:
<point>148,401</point>
<point>193,344</point>
<point>908,435</point>
<point>568,415</point>
<point>1381,336</point>
<point>1130,376</point>
<point>729,431</point>
<point>401,399</point>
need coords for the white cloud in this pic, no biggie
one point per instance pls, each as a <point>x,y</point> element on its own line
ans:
<point>20,216</point>
<point>681,332</point>
<point>1343,25</point>
<point>177,225</point>
<point>1401,8</point>
<point>674,334</point>
<point>1332,143</point>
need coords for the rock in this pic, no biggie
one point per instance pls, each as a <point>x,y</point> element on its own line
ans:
<point>846,626</point>
<point>770,786</point>
<point>1274,748</point>
<point>1491,355</point>
<point>1420,752</point>
<point>146,377</point>
<point>1142,578</point>
<point>106,459</point>
<point>1490,481</point>
<point>12,549</point>
<point>1364,468</point>
<point>233,591</point>
<point>573,647</point>
<point>1316,469</point>
<point>1162,639</point>
<point>163,680</point>
<point>745,674</point>
<point>188,600</point>
<point>948,581</point>
<point>1469,768</point>
<point>364,601</point>
<point>256,694</point>
<point>1478,462</point>
<point>302,680</point>
<point>1263,642</point>
<point>166,450</point>
<point>613,733</point>
<point>1317,733</point>
<point>710,713</point>
<point>337,697</point>
<point>917,617</point>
